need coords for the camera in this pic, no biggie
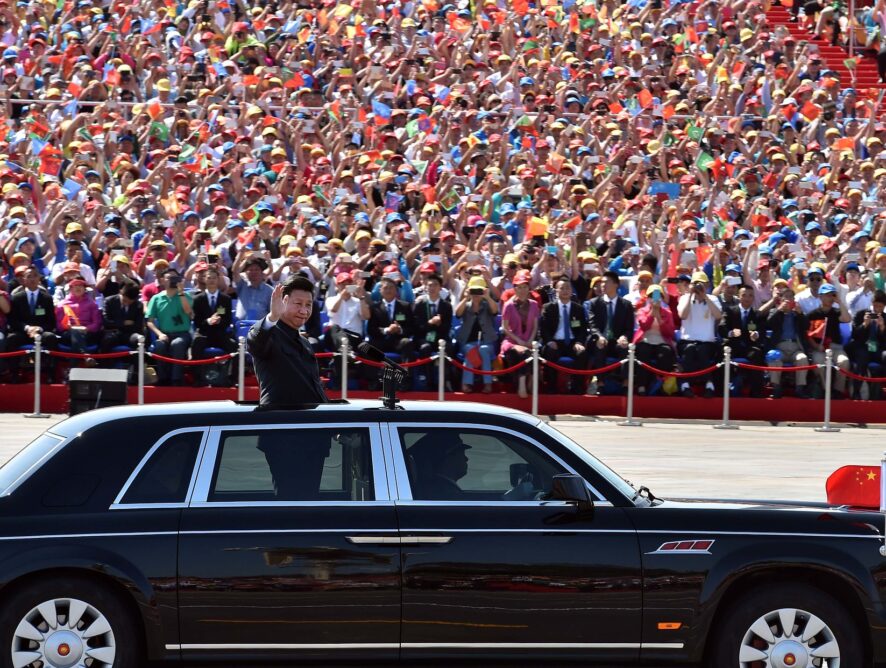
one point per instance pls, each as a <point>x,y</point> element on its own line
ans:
<point>476,291</point>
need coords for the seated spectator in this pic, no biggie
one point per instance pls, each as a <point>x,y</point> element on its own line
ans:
<point>824,333</point>
<point>391,323</point>
<point>168,317</point>
<point>743,329</point>
<point>520,326</point>
<point>700,314</point>
<point>124,319</point>
<point>563,331</point>
<point>432,314</point>
<point>808,299</point>
<point>477,336</point>
<point>654,338</point>
<point>213,318</point>
<point>73,258</point>
<point>250,274</point>
<point>31,315</point>
<point>79,318</point>
<point>611,325</point>
<point>868,344</point>
<point>787,324</point>
<point>348,310</point>
<point>159,269</point>
<point>115,275</point>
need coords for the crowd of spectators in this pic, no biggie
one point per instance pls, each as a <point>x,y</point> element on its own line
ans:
<point>582,173</point>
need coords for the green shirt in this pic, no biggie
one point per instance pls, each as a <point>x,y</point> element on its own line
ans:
<point>168,314</point>
<point>880,280</point>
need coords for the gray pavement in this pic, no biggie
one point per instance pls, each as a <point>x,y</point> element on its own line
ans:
<point>672,459</point>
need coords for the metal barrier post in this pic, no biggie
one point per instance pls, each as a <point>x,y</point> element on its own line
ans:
<point>630,421</point>
<point>344,368</point>
<point>141,370</point>
<point>727,380</point>
<point>828,383</point>
<point>441,370</point>
<point>38,354</point>
<point>535,365</point>
<point>241,368</point>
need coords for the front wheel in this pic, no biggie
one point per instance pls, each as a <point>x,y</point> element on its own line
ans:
<point>786,626</point>
<point>66,624</point>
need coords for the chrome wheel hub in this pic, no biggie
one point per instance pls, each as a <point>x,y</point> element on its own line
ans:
<point>789,638</point>
<point>63,633</point>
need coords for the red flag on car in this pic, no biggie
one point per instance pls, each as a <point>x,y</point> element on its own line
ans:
<point>857,486</point>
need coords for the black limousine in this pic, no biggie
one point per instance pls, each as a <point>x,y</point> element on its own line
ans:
<point>349,532</point>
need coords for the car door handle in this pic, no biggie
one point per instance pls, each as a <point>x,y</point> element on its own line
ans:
<point>397,540</point>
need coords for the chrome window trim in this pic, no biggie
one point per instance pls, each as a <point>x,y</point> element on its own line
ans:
<point>430,645</point>
<point>199,499</point>
<point>118,501</point>
<point>27,473</point>
<point>404,493</point>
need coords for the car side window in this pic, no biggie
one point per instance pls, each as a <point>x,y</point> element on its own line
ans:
<point>294,465</point>
<point>166,476</point>
<point>464,464</point>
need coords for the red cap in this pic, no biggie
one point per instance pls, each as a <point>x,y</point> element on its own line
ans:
<point>427,268</point>
<point>343,277</point>
<point>523,277</point>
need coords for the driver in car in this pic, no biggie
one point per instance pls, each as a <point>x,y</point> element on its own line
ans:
<point>439,463</point>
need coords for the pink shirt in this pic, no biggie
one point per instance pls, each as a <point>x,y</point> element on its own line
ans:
<point>85,309</point>
<point>511,316</point>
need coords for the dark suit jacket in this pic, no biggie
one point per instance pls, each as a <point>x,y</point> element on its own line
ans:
<point>775,323</point>
<point>421,312</point>
<point>622,321</point>
<point>285,366</point>
<point>860,333</point>
<point>549,322</point>
<point>732,320</point>
<point>115,314</point>
<point>202,313</point>
<point>378,320</point>
<point>20,315</point>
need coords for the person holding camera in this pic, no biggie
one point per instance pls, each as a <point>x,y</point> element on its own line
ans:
<point>169,315</point>
<point>700,314</point>
<point>348,312</point>
<point>787,325</point>
<point>868,344</point>
<point>825,333</point>
<point>477,335</point>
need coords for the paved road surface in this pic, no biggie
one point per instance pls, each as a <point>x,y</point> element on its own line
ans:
<point>672,459</point>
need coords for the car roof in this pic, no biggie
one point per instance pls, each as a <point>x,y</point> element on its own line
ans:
<point>423,409</point>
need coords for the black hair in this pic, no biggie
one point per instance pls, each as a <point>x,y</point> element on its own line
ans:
<point>880,296</point>
<point>130,291</point>
<point>297,282</point>
<point>612,276</point>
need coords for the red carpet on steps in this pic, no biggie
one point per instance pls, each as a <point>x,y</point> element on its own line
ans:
<point>833,57</point>
<point>20,398</point>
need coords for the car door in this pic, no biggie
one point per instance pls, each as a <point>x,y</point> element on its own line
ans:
<point>289,547</point>
<point>490,569</point>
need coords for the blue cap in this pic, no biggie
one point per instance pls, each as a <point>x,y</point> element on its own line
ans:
<point>524,205</point>
<point>668,22</point>
<point>236,222</point>
<point>22,242</point>
<point>320,239</point>
<point>861,234</point>
<point>94,173</point>
<point>684,277</point>
<point>527,81</point>
<point>506,208</point>
<point>263,206</point>
<point>149,211</point>
<point>361,216</point>
<point>852,266</point>
<point>815,270</point>
<point>391,217</point>
<point>765,250</point>
<point>827,289</point>
<point>812,226</point>
<point>214,187</point>
<point>190,214</point>
<point>775,238</point>
<point>112,216</point>
<point>10,53</point>
<point>773,356</point>
<point>111,230</point>
<point>741,233</point>
<point>733,267</point>
<point>788,202</point>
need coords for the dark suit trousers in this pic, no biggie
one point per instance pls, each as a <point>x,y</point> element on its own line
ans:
<point>16,340</point>
<point>600,357</point>
<point>753,355</point>
<point>698,355</point>
<point>657,355</point>
<point>563,349</point>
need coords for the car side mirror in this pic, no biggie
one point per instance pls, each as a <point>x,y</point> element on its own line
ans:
<point>572,489</point>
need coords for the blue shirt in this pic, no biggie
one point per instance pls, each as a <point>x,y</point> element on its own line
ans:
<point>253,303</point>
<point>789,327</point>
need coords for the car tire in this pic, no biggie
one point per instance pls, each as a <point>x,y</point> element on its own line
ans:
<point>24,615</point>
<point>742,633</point>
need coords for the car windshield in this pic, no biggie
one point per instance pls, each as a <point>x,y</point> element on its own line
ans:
<point>619,483</point>
<point>29,459</point>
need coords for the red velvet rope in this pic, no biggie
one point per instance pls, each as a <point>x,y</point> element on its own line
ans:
<point>790,369</point>
<point>855,376</point>
<point>172,360</point>
<point>324,356</point>
<point>83,356</point>
<point>405,365</point>
<point>583,372</point>
<point>678,374</point>
<point>16,353</point>
<point>481,372</point>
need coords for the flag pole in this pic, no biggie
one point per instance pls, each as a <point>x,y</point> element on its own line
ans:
<point>883,502</point>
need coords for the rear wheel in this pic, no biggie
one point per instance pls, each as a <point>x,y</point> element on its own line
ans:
<point>66,624</point>
<point>786,626</point>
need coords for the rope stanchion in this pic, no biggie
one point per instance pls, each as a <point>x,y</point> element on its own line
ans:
<point>584,372</point>
<point>38,368</point>
<point>210,360</point>
<point>141,370</point>
<point>535,367</point>
<point>828,392</point>
<point>441,370</point>
<point>779,369</point>
<point>481,372</point>
<point>679,374</point>
<point>632,363</point>
<point>89,356</point>
<point>344,368</point>
<point>15,353</point>
<point>241,368</point>
<point>727,381</point>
